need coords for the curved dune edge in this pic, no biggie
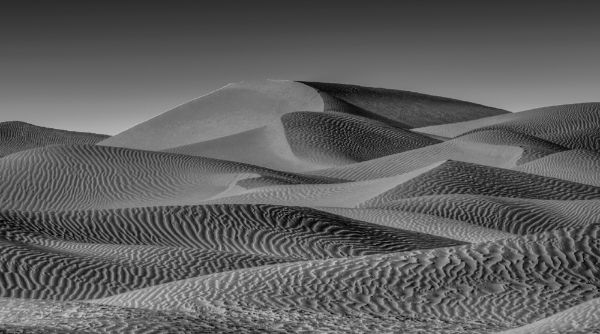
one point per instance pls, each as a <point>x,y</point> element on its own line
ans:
<point>502,156</point>
<point>580,166</point>
<point>347,195</point>
<point>265,146</point>
<point>423,223</point>
<point>233,109</point>
<point>20,136</point>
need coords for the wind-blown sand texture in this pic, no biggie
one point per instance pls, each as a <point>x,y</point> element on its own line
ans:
<point>21,136</point>
<point>282,207</point>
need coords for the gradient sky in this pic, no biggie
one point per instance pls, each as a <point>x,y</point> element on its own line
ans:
<point>104,66</point>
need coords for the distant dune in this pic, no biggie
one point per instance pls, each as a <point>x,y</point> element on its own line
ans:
<point>409,108</point>
<point>21,136</point>
<point>284,207</point>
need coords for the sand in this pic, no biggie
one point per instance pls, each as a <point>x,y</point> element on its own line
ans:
<point>284,207</point>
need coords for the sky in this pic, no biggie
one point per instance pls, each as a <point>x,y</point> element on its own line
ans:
<point>102,66</point>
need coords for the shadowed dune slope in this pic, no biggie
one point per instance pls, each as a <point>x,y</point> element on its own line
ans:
<point>233,109</point>
<point>346,138</point>
<point>311,140</point>
<point>335,105</point>
<point>21,136</point>
<point>86,177</point>
<point>408,108</point>
<point>461,178</point>
<point>456,149</point>
<point>481,287</point>
<point>574,126</point>
<point>511,215</point>
<point>575,165</point>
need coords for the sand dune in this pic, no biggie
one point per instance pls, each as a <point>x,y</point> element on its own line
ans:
<point>512,215</point>
<point>301,141</point>
<point>533,148</point>
<point>75,317</point>
<point>21,136</point>
<point>409,108</point>
<point>496,285</point>
<point>347,194</point>
<point>459,150</point>
<point>573,126</point>
<point>461,178</point>
<point>580,166</point>
<point>424,223</point>
<point>102,253</point>
<point>264,146</point>
<point>345,139</point>
<point>85,177</point>
<point>233,109</point>
<point>284,207</point>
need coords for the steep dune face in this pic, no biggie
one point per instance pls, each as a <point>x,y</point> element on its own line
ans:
<point>21,136</point>
<point>283,207</point>
<point>232,109</point>
<point>409,108</point>
<point>346,138</point>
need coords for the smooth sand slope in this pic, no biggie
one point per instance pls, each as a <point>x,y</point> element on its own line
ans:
<point>21,136</point>
<point>233,109</point>
<point>474,288</point>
